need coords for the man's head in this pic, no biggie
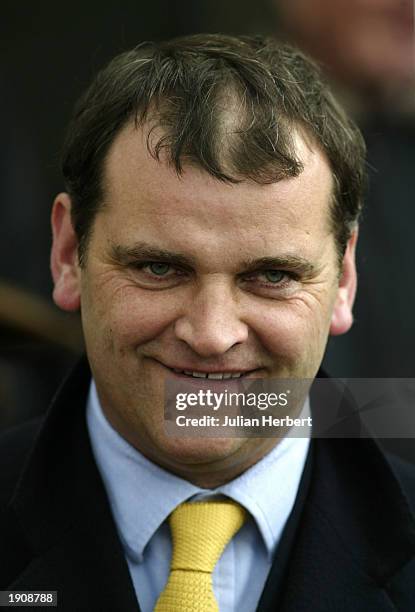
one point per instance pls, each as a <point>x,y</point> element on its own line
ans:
<point>213,192</point>
<point>227,105</point>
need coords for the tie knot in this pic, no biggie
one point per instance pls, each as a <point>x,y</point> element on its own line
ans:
<point>201,531</point>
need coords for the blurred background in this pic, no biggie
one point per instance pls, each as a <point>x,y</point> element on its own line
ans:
<point>50,51</point>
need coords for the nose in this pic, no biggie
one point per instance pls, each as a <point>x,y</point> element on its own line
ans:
<point>211,323</point>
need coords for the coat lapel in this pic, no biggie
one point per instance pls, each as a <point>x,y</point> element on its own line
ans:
<point>356,531</point>
<point>88,575</point>
<point>64,516</point>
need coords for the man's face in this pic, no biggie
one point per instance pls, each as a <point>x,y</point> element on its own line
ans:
<point>195,275</point>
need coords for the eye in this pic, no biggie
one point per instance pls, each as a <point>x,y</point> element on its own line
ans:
<point>159,268</point>
<point>273,276</point>
<point>157,274</point>
<point>272,283</point>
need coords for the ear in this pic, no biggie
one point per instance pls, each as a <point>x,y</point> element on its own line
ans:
<point>64,256</point>
<point>342,316</point>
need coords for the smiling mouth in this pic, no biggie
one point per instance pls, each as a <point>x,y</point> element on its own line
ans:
<point>212,375</point>
<point>209,375</point>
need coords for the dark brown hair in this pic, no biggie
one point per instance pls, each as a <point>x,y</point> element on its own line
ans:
<point>228,104</point>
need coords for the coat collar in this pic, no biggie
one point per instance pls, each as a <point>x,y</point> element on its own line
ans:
<point>62,509</point>
<point>355,532</point>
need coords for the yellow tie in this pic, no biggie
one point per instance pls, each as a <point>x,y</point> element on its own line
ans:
<point>200,533</point>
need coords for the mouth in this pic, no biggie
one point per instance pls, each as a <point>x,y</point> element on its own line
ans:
<point>211,375</point>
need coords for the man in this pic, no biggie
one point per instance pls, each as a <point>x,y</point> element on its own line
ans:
<point>208,231</point>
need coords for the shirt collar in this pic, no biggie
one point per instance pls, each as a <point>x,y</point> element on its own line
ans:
<point>267,490</point>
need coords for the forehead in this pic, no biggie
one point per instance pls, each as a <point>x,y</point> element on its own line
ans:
<point>145,194</point>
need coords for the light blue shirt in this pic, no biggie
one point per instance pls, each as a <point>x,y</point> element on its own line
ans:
<point>142,495</point>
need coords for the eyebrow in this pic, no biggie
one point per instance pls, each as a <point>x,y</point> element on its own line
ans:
<point>287,261</point>
<point>142,251</point>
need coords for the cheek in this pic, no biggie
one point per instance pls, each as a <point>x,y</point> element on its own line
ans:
<point>293,330</point>
<point>128,317</point>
